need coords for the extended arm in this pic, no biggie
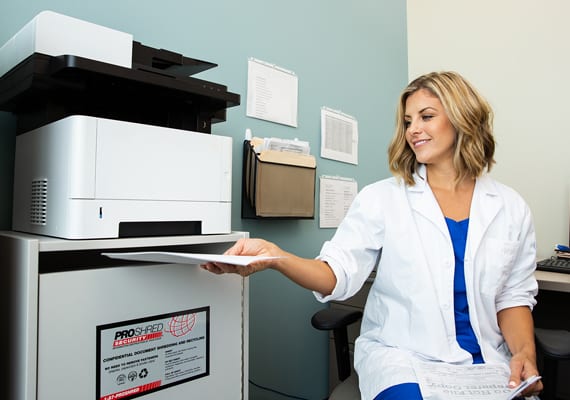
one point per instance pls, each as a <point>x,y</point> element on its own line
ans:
<point>517,327</point>
<point>309,273</point>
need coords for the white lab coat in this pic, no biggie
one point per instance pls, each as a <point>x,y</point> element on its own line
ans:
<point>409,311</point>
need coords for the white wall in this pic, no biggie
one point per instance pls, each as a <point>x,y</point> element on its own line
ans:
<point>516,52</point>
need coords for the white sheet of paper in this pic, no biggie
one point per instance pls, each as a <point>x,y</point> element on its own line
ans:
<point>464,382</point>
<point>336,196</point>
<point>272,93</point>
<point>185,258</point>
<point>339,136</point>
<point>523,385</point>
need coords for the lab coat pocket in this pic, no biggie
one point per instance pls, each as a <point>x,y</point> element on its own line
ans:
<point>499,256</point>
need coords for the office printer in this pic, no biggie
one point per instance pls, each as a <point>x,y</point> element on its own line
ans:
<point>85,177</point>
<point>113,137</point>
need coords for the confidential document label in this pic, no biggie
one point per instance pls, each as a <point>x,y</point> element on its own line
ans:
<point>139,356</point>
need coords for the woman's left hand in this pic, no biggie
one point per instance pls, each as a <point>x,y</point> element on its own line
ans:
<point>523,367</point>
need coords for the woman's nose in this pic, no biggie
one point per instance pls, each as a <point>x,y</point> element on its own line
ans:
<point>414,127</point>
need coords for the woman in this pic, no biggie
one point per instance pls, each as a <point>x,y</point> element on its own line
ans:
<point>455,282</point>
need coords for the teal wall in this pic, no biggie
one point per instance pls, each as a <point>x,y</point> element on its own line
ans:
<point>348,55</point>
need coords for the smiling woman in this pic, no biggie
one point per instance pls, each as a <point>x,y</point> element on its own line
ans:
<point>433,139</point>
<point>468,112</point>
<point>455,281</point>
<point>429,132</point>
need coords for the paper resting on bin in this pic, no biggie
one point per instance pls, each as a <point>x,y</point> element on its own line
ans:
<point>186,258</point>
<point>288,158</point>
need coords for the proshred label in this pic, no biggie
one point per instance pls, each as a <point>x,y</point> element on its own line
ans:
<point>140,356</point>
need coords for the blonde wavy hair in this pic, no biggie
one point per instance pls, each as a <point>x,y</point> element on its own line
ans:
<point>469,113</point>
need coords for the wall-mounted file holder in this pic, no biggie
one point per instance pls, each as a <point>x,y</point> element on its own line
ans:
<point>277,184</point>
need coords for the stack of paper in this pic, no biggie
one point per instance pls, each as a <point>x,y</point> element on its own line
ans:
<point>276,144</point>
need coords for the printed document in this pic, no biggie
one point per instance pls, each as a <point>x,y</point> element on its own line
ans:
<point>336,196</point>
<point>272,93</point>
<point>339,136</point>
<point>185,258</point>
<point>463,382</point>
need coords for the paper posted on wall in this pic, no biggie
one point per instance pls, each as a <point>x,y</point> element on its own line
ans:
<point>336,196</point>
<point>272,93</point>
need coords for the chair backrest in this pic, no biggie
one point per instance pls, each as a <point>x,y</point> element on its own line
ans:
<point>337,320</point>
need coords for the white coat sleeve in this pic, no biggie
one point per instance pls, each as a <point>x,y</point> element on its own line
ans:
<point>521,286</point>
<point>353,251</point>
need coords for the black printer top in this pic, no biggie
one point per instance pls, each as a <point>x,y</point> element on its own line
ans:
<point>157,90</point>
<point>151,59</point>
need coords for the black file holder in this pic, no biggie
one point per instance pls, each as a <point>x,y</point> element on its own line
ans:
<point>277,185</point>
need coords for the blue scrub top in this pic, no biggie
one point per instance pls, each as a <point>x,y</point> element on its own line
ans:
<point>464,331</point>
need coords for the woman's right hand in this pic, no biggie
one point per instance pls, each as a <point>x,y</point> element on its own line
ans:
<point>312,274</point>
<point>247,247</point>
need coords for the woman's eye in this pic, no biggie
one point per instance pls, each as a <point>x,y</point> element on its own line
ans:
<point>407,124</point>
<point>427,117</point>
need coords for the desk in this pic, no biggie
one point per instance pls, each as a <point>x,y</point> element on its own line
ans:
<point>553,281</point>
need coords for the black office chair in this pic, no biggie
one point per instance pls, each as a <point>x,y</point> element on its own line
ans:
<point>337,321</point>
<point>554,345</point>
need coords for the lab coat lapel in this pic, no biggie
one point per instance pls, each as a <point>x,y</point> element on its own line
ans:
<point>424,203</point>
<point>484,207</point>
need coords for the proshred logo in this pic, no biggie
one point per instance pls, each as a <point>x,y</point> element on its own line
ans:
<point>138,334</point>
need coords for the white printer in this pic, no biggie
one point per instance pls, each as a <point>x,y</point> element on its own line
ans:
<point>113,137</point>
<point>85,177</point>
